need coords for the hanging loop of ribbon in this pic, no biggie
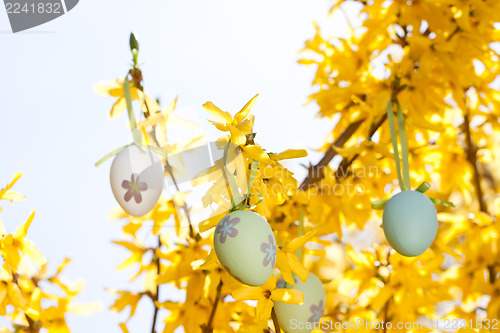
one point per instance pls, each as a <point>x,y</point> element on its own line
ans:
<point>231,180</point>
<point>426,186</point>
<point>404,172</point>
<point>136,132</point>
<point>254,167</point>
<point>403,166</point>
<point>237,202</point>
<point>128,101</point>
<point>404,149</point>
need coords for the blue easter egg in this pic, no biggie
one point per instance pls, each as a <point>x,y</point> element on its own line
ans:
<point>410,222</point>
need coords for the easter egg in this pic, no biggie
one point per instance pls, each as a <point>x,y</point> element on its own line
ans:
<point>137,179</point>
<point>245,246</point>
<point>410,222</point>
<point>302,318</point>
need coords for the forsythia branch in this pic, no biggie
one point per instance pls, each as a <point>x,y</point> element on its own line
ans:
<point>275,321</point>
<point>156,296</point>
<point>315,174</point>
<point>472,158</point>
<point>208,327</point>
<point>346,163</point>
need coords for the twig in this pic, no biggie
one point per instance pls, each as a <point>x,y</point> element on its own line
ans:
<point>184,206</point>
<point>345,164</point>
<point>137,79</point>
<point>208,327</point>
<point>315,171</point>
<point>275,321</point>
<point>33,326</point>
<point>472,158</point>
<point>156,296</point>
<point>457,30</point>
<point>386,306</point>
<point>492,274</point>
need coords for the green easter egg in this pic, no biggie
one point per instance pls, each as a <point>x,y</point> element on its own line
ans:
<point>246,248</point>
<point>410,222</point>
<point>302,318</point>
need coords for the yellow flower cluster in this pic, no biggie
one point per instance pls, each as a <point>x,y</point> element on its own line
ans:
<point>185,260</point>
<point>437,60</point>
<point>31,299</point>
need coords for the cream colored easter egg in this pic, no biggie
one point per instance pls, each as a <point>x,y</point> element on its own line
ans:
<point>137,179</point>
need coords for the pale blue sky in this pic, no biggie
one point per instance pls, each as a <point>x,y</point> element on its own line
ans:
<point>54,127</point>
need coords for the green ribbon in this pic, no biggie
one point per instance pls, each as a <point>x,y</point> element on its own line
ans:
<point>113,153</point>
<point>233,186</point>
<point>157,150</point>
<point>253,174</point>
<point>251,179</point>
<point>379,204</point>
<point>136,133</point>
<point>236,201</point>
<point>394,140</point>
<point>442,202</point>
<point>404,150</point>
<point>424,187</point>
<point>404,174</point>
<point>133,124</point>
<point>261,198</point>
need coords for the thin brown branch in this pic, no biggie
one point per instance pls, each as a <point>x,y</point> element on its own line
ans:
<point>277,328</point>
<point>387,303</point>
<point>169,170</point>
<point>471,151</point>
<point>155,317</point>
<point>492,274</point>
<point>346,163</point>
<point>33,326</point>
<point>457,30</point>
<point>316,171</point>
<point>137,79</point>
<point>184,206</point>
<point>156,296</point>
<point>208,327</point>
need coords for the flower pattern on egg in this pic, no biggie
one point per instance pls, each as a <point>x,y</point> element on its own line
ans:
<point>134,188</point>
<point>269,249</point>
<point>226,228</point>
<point>317,312</point>
<point>281,283</point>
